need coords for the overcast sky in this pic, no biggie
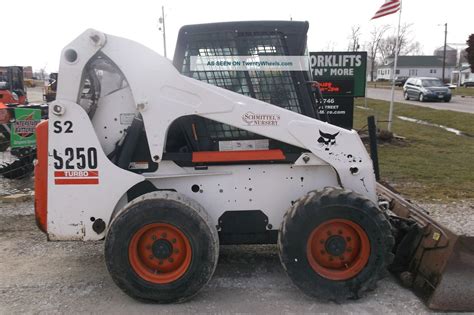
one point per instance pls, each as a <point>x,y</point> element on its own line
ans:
<point>35,31</point>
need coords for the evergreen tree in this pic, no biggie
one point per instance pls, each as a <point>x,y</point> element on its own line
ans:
<point>470,51</point>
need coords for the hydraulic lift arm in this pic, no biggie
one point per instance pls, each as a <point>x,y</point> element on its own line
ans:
<point>162,95</point>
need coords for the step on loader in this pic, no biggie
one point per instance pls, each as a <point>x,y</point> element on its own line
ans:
<point>166,168</point>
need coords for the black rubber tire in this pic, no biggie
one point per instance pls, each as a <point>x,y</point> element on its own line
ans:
<point>316,208</point>
<point>17,169</point>
<point>162,207</point>
<point>421,97</point>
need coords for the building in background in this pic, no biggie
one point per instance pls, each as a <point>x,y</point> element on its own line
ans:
<point>466,75</point>
<point>27,72</point>
<point>416,66</point>
<point>451,54</point>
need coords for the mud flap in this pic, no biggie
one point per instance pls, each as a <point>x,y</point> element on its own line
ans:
<point>434,261</point>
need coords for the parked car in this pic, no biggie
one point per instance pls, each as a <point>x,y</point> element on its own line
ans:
<point>468,82</point>
<point>400,80</point>
<point>426,88</point>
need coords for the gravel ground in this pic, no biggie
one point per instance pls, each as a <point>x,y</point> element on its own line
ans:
<point>458,216</point>
<point>37,276</point>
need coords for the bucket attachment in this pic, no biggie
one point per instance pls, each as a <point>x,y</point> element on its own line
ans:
<point>431,259</point>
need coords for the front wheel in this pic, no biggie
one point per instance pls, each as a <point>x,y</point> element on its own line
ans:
<point>162,248</point>
<point>405,95</point>
<point>335,244</point>
<point>421,97</point>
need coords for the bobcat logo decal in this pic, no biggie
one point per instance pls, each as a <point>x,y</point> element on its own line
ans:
<point>327,140</point>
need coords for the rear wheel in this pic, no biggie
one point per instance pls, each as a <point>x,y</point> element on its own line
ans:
<point>162,247</point>
<point>335,244</point>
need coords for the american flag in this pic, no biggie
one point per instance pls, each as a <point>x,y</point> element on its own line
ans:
<point>389,7</point>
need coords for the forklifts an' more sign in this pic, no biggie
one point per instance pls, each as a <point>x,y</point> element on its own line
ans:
<point>341,77</point>
<point>329,66</point>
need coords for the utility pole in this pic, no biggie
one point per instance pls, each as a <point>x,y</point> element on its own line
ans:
<point>162,21</point>
<point>444,50</point>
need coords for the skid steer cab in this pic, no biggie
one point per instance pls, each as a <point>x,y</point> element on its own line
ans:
<point>118,160</point>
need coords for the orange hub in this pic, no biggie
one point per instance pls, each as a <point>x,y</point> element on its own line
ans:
<point>160,253</point>
<point>338,249</point>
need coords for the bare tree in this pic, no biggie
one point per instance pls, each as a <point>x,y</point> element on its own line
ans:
<point>406,44</point>
<point>373,46</point>
<point>354,38</point>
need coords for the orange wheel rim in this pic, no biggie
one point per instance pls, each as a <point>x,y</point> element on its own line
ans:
<point>338,249</point>
<point>160,253</point>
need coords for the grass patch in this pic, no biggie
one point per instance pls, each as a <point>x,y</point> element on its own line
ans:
<point>463,91</point>
<point>431,164</point>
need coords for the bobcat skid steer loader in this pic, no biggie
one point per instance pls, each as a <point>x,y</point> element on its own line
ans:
<point>118,160</point>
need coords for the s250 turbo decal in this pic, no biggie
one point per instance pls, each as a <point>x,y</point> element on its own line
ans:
<point>76,166</point>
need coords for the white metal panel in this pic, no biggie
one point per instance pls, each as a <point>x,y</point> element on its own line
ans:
<point>268,187</point>
<point>85,46</point>
<point>71,206</point>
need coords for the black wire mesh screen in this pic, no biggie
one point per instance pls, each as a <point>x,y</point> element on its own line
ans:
<point>274,87</point>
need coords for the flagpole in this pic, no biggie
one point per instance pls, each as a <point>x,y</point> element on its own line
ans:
<point>390,113</point>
